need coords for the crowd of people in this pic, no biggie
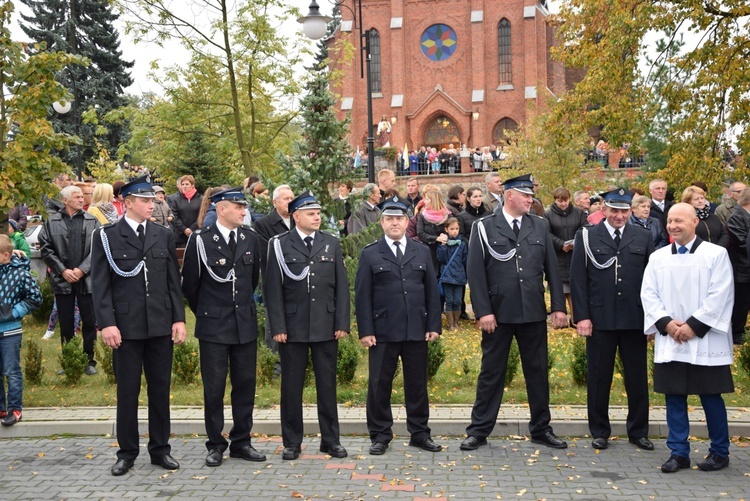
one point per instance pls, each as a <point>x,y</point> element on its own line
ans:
<point>616,266</point>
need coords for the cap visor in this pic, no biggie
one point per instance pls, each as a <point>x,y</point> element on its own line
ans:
<point>617,205</point>
<point>393,212</point>
<point>526,191</point>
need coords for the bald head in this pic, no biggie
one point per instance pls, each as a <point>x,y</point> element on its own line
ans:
<point>681,223</point>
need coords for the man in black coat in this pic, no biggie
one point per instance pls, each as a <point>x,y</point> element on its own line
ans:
<point>220,272</point>
<point>738,227</point>
<point>509,254</point>
<point>139,309</point>
<point>659,203</point>
<point>307,308</point>
<point>398,312</point>
<point>605,283</point>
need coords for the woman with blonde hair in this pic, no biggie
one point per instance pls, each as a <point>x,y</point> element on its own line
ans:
<point>710,228</point>
<point>101,206</point>
<point>431,224</point>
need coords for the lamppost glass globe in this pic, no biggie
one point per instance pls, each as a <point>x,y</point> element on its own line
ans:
<point>61,107</point>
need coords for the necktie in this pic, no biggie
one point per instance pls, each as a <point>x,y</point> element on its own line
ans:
<point>141,234</point>
<point>516,229</point>
<point>682,250</point>
<point>308,243</point>
<point>617,237</point>
<point>399,254</point>
<point>232,243</point>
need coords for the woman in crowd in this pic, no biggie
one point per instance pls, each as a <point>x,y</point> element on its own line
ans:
<point>640,217</point>
<point>564,221</point>
<point>185,206</point>
<point>456,200</point>
<point>474,210</point>
<point>710,228</point>
<point>102,206</point>
<point>431,224</point>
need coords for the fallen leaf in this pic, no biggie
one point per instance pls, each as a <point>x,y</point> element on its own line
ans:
<point>198,477</point>
<point>296,494</point>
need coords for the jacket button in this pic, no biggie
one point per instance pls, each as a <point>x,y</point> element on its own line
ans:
<point>520,269</point>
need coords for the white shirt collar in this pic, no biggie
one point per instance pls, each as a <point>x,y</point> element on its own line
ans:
<point>302,236</point>
<point>225,232</point>
<point>510,219</point>
<point>611,229</point>
<point>134,224</point>
<point>402,244</point>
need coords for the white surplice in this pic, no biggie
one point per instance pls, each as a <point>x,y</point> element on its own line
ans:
<point>700,285</point>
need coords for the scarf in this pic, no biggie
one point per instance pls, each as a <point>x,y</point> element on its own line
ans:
<point>109,211</point>
<point>189,194</point>
<point>703,213</point>
<point>435,216</point>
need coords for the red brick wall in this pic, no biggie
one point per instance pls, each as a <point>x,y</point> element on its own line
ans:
<point>473,66</point>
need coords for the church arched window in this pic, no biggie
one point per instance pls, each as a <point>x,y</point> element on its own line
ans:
<point>375,67</point>
<point>503,52</point>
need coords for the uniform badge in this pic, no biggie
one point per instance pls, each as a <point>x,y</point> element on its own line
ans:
<point>242,236</point>
<point>222,261</point>
<point>326,251</point>
<point>216,238</point>
<point>621,192</point>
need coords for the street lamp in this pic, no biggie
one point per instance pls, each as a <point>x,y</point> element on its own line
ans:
<point>314,26</point>
<point>63,107</point>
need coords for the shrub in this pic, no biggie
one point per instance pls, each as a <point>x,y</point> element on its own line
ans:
<point>48,299</point>
<point>551,359</point>
<point>266,365</point>
<point>73,360</point>
<point>578,368</point>
<point>33,369</point>
<point>104,356</point>
<point>186,364</point>
<point>435,357</point>
<point>743,356</point>
<point>514,359</point>
<point>348,359</point>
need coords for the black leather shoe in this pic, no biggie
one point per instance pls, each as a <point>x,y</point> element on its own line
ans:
<point>378,448</point>
<point>599,443</point>
<point>642,443</point>
<point>426,444</point>
<point>473,443</point>
<point>550,440</point>
<point>291,453</point>
<point>215,458</point>
<point>121,467</point>
<point>713,462</point>
<point>248,453</point>
<point>166,461</point>
<point>335,450</point>
<point>675,463</point>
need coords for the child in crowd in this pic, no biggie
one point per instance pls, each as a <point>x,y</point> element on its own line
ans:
<point>162,213</point>
<point>18,238</point>
<point>452,257</point>
<point>19,294</point>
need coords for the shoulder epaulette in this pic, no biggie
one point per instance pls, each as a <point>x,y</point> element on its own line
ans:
<point>198,231</point>
<point>370,244</point>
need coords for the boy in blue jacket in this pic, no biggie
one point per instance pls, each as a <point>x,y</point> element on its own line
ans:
<point>19,294</point>
<point>452,258</point>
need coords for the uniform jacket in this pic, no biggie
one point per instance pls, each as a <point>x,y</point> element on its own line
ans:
<point>610,304</point>
<point>222,316</point>
<point>307,315</point>
<point>513,290</point>
<point>266,227</point>
<point>138,312</point>
<point>397,302</point>
<point>53,245</point>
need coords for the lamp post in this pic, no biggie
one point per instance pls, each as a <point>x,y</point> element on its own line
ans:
<point>314,26</point>
<point>64,107</point>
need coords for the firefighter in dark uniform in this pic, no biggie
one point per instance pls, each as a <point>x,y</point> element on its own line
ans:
<point>398,312</point>
<point>306,293</point>
<point>139,309</point>
<point>219,274</point>
<point>606,272</point>
<point>510,252</point>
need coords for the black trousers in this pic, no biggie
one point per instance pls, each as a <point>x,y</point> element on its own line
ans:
<point>601,348</point>
<point>532,344</point>
<point>239,361</point>
<point>66,311</point>
<point>154,357</point>
<point>383,362</point>
<point>739,311</point>
<point>293,363</point>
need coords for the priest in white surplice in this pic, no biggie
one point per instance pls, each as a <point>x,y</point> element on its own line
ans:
<point>687,296</point>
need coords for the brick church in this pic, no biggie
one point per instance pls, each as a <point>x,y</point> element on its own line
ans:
<point>449,71</point>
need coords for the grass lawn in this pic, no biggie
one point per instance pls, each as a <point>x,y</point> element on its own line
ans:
<point>455,382</point>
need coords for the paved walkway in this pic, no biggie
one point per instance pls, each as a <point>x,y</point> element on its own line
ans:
<point>446,420</point>
<point>78,468</point>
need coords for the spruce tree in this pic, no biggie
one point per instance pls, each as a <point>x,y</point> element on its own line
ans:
<point>84,28</point>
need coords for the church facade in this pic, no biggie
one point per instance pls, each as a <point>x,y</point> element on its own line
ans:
<point>444,72</point>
